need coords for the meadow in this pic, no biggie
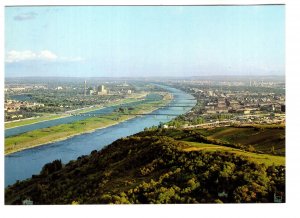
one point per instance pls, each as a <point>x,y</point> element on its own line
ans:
<point>60,132</point>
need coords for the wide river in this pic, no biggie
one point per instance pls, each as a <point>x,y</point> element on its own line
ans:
<point>23,164</point>
<point>26,128</point>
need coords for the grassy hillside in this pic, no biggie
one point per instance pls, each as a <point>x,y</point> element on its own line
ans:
<point>266,159</point>
<point>259,139</point>
<point>262,139</point>
<point>151,168</point>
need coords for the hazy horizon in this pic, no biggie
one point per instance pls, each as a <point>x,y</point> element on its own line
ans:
<point>133,77</point>
<point>144,41</point>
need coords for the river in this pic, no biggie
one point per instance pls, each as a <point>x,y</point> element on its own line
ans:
<point>26,128</point>
<point>23,164</point>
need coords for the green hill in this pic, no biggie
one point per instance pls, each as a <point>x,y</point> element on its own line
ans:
<point>266,140</point>
<point>259,139</point>
<point>151,168</point>
<point>266,159</point>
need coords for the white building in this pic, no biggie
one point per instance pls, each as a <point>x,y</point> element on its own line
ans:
<point>27,202</point>
<point>102,90</point>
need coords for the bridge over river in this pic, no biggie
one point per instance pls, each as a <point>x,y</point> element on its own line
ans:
<point>24,164</point>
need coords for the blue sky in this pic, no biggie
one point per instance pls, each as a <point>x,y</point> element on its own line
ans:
<point>123,41</point>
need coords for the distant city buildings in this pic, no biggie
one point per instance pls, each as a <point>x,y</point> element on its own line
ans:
<point>102,90</point>
<point>90,91</point>
<point>13,106</point>
<point>217,102</point>
<point>58,88</point>
<point>225,103</point>
<point>22,88</point>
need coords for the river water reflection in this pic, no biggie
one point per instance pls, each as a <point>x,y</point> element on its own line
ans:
<point>24,164</point>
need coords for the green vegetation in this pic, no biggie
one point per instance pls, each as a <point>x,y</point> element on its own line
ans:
<point>47,116</point>
<point>60,97</point>
<point>50,134</point>
<point>236,164</point>
<point>266,159</point>
<point>268,139</point>
<point>149,168</point>
<point>60,132</point>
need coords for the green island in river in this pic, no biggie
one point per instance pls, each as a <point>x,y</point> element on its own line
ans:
<point>47,116</point>
<point>60,132</point>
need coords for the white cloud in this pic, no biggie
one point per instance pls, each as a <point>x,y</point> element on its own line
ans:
<point>25,16</point>
<point>47,55</point>
<point>44,55</point>
<point>71,59</point>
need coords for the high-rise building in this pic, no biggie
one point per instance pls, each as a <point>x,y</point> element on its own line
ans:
<point>102,90</point>
<point>90,91</point>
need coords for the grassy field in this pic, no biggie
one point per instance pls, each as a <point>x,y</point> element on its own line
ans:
<point>46,117</point>
<point>55,133</point>
<point>42,118</point>
<point>63,131</point>
<point>267,159</point>
<point>262,138</point>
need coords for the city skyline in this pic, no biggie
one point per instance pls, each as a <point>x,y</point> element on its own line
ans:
<point>144,41</point>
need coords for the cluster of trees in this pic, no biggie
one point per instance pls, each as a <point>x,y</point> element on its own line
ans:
<point>198,177</point>
<point>123,109</point>
<point>59,101</point>
<point>51,167</point>
<point>194,118</point>
<point>21,114</point>
<point>151,169</point>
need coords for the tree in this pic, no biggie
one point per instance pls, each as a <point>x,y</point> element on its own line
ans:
<point>51,167</point>
<point>273,150</point>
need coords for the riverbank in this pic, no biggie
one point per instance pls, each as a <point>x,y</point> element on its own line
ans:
<point>33,120</point>
<point>48,117</point>
<point>61,132</point>
<point>24,164</point>
<point>56,138</point>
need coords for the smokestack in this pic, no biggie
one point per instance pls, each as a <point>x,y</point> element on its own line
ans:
<point>84,87</point>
